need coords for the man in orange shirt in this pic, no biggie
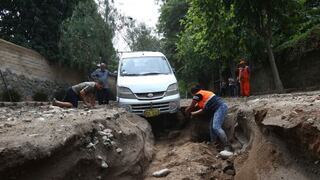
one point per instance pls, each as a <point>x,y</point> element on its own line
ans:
<point>244,78</point>
<point>208,102</point>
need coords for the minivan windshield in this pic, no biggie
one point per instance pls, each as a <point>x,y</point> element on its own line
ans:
<point>142,66</point>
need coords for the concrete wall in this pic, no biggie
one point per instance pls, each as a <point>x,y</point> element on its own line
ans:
<point>28,72</point>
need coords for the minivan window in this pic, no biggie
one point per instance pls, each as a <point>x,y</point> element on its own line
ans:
<point>140,66</point>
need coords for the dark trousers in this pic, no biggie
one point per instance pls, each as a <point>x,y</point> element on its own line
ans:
<point>103,96</point>
<point>232,90</point>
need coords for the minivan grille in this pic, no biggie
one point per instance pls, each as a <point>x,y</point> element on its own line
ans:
<point>151,95</point>
<point>140,108</point>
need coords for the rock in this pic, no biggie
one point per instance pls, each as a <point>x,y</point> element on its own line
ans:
<point>47,115</point>
<point>105,138</point>
<point>101,126</point>
<point>27,120</point>
<point>310,121</point>
<point>227,165</point>
<point>41,119</point>
<point>104,165</point>
<point>10,119</point>
<point>99,157</point>
<point>216,166</point>
<point>298,110</point>
<point>110,135</point>
<point>90,145</point>
<point>25,143</point>
<point>119,150</point>
<point>32,135</point>
<point>230,172</point>
<point>161,173</point>
<point>8,124</point>
<point>102,133</point>
<point>107,131</point>
<point>173,134</point>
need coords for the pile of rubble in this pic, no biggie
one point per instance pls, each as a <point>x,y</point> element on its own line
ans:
<point>47,142</point>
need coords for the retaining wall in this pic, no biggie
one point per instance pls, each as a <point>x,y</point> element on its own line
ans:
<point>28,72</point>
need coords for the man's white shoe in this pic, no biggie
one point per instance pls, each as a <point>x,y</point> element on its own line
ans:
<point>225,154</point>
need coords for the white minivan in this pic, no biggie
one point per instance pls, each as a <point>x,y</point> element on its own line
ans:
<point>146,84</point>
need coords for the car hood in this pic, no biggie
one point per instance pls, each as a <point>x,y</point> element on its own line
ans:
<point>150,83</point>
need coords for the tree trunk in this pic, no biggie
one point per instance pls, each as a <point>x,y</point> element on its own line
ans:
<point>232,67</point>
<point>274,69</point>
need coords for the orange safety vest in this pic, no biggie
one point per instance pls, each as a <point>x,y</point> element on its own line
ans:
<point>206,95</point>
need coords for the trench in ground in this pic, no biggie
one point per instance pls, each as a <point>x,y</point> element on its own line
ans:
<point>181,145</point>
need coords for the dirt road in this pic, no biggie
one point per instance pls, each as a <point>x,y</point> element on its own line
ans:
<point>273,136</point>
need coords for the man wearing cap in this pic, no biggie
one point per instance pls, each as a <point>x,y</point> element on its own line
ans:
<point>102,74</point>
<point>209,103</point>
<point>85,91</point>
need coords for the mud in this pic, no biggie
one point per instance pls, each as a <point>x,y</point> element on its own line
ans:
<point>273,137</point>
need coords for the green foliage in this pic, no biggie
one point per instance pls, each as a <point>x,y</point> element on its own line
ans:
<point>306,42</point>
<point>206,39</point>
<point>35,24</point>
<point>172,12</point>
<point>86,38</point>
<point>10,95</point>
<point>140,38</point>
<point>40,96</point>
<point>205,54</point>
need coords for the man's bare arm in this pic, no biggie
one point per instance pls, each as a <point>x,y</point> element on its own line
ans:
<point>85,98</point>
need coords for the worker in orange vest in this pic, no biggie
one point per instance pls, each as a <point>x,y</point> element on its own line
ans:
<point>244,78</point>
<point>208,102</point>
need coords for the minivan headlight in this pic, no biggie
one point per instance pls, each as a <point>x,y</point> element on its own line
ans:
<point>124,92</point>
<point>172,89</point>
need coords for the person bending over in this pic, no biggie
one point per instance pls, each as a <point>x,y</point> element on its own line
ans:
<point>208,102</point>
<point>84,91</point>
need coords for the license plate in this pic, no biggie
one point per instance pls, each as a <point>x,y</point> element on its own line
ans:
<point>151,112</point>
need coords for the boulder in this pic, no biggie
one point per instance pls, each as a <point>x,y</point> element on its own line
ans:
<point>85,144</point>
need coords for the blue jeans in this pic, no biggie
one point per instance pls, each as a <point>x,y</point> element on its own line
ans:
<point>216,124</point>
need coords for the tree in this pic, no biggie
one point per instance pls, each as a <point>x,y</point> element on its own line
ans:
<point>86,38</point>
<point>210,32</point>
<point>172,12</point>
<point>35,24</point>
<point>265,17</point>
<point>140,38</point>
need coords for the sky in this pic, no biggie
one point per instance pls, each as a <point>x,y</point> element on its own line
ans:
<point>146,11</point>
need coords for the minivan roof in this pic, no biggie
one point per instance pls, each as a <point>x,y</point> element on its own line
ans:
<point>140,54</point>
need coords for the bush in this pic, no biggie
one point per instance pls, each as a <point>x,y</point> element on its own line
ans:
<point>15,95</point>
<point>40,96</point>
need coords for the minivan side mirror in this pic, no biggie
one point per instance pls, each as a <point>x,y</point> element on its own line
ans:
<point>174,70</point>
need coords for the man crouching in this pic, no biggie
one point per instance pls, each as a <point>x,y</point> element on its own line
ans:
<point>84,91</point>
